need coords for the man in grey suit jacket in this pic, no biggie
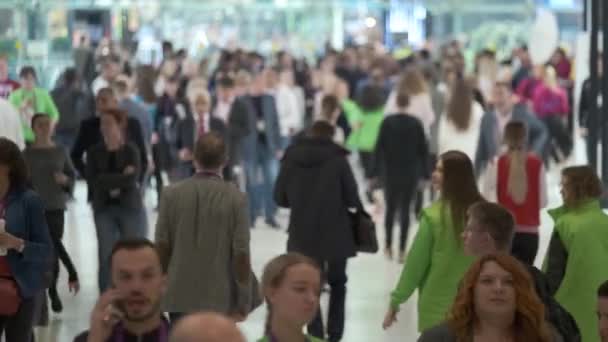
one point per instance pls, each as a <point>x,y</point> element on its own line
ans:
<point>493,124</point>
<point>203,235</point>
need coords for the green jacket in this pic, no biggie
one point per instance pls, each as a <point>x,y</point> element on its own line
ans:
<point>310,339</point>
<point>43,104</point>
<point>434,265</point>
<point>583,231</point>
<point>364,138</point>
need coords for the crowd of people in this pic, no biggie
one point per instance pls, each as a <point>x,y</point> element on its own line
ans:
<point>465,152</point>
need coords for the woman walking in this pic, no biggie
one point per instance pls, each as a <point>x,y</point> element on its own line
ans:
<point>403,160</point>
<point>436,262</point>
<point>578,251</point>
<point>52,176</point>
<point>113,170</point>
<point>497,294</point>
<point>25,246</point>
<point>518,182</point>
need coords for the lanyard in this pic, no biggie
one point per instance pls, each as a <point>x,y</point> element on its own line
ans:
<point>163,332</point>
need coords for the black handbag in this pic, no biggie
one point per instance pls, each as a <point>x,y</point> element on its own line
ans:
<point>364,231</point>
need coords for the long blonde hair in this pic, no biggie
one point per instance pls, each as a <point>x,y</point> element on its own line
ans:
<point>515,138</point>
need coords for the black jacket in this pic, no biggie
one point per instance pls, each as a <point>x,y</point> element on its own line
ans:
<point>240,121</point>
<point>187,134</point>
<point>402,152</point>
<point>74,105</point>
<point>102,180</point>
<point>90,135</point>
<point>317,183</point>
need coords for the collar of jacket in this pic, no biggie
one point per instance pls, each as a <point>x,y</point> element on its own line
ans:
<point>586,205</point>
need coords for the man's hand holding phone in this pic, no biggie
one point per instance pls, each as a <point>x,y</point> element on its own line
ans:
<point>105,316</point>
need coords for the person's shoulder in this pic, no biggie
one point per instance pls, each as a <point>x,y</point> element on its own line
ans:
<point>440,333</point>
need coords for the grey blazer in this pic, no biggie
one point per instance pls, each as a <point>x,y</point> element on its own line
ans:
<point>489,139</point>
<point>203,224</point>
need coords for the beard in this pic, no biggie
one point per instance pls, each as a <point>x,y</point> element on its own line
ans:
<point>153,311</point>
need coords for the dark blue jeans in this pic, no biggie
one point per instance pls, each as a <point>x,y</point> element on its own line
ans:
<point>260,175</point>
<point>114,223</point>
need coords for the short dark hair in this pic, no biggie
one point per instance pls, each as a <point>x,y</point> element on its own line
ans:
<point>322,130</point>
<point>132,244</point>
<point>602,291</point>
<point>27,70</point>
<point>11,156</point>
<point>496,220</point>
<point>70,76</point>
<point>371,98</point>
<point>38,116</point>
<point>225,82</point>
<point>210,151</point>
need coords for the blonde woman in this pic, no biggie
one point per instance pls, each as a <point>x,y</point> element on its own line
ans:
<point>517,181</point>
<point>413,84</point>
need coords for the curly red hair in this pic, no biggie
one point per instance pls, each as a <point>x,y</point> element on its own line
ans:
<point>529,324</point>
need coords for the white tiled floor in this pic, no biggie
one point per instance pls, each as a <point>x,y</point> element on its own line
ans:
<point>371,278</point>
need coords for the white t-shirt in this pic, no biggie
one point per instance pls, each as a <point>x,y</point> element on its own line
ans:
<point>10,124</point>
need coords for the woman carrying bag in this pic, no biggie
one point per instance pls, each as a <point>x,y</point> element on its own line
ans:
<point>25,246</point>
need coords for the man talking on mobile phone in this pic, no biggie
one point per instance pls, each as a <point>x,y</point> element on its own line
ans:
<point>130,309</point>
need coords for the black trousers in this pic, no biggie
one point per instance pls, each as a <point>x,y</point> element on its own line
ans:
<point>335,274</point>
<point>525,247</point>
<point>158,170</point>
<point>19,327</point>
<point>399,197</point>
<point>55,221</point>
<point>367,162</point>
<point>559,135</point>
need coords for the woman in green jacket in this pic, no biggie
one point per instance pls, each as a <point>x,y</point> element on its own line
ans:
<point>436,261</point>
<point>365,118</point>
<point>291,284</point>
<point>30,100</point>
<point>577,259</point>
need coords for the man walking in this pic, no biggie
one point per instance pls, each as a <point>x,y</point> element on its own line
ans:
<point>203,235</point>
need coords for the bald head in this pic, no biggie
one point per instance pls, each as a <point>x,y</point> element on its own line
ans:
<point>206,327</point>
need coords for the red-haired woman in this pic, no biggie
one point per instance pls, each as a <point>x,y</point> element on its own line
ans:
<point>496,302</point>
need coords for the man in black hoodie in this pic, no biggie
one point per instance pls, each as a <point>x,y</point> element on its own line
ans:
<point>316,182</point>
